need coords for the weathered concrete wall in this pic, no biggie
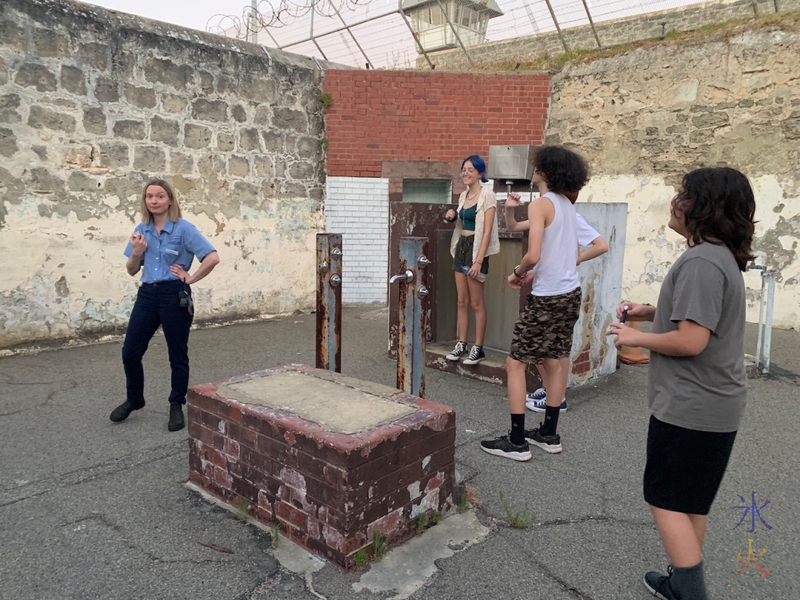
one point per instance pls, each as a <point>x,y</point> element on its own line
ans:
<point>645,117</point>
<point>593,352</point>
<point>92,104</point>
<point>610,33</point>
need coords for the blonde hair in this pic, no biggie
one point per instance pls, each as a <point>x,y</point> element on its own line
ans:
<point>174,208</point>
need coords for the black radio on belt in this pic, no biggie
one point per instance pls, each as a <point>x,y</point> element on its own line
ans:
<point>185,299</point>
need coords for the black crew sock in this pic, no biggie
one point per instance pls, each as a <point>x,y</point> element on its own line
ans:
<point>688,583</point>
<point>518,429</point>
<point>550,424</point>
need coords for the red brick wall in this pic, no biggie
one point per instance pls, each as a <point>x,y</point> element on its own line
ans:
<point>419,115</point>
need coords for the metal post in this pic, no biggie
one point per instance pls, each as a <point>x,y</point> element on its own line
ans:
<point>768,324</point>
<point>555,21</point>
<point>416,39</point>
<point>455,33</point>
<point>591,23</point>
<point>253,21</point>
<point>329,301</point>
<point>355,41</point>
<point>413,315</point>
<point>761,303</point>
<point>311,31</point>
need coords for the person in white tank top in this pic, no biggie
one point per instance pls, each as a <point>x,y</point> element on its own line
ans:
<point>592,245</point>
<point>543,334</point>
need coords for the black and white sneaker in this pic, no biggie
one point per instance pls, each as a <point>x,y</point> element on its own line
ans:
<point>502,446</point>
<point>658,584</point>
<point>539,394</point>
<point>459,351</point>
<point>476,355</point>
<point>548,443</point>
<point>541,405</point>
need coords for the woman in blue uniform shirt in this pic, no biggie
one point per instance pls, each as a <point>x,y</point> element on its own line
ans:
<point>163,247</point>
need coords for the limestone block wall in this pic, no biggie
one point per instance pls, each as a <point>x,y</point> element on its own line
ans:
<point>645,117</point>
<point>610,33</point>
<point>92,104</point>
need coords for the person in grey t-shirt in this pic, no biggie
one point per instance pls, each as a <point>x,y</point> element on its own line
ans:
<point>697,386</point>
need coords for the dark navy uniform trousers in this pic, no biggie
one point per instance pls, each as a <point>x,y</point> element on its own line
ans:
<point>158,304</point>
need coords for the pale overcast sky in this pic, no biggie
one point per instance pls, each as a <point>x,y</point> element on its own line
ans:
<point>189,13</point>
<point>386,41</point>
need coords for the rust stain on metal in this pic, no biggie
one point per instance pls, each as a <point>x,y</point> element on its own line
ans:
<point>329,302</point>
<point>322,360</point>
<point>402,299</point>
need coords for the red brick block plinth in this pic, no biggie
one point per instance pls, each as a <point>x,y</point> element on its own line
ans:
<point>327,491</point>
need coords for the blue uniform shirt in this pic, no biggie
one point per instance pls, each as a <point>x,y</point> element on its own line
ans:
<point>178,244</point>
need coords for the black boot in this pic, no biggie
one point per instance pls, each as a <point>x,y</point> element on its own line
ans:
<point>176,422</point>
<point>124,410</point>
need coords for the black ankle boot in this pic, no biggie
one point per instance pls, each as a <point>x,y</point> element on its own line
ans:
<point>176,422</point>
<point>124,410</point>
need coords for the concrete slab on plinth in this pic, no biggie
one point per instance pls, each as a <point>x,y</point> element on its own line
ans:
<point>330,459</point>
<point>338,404</point>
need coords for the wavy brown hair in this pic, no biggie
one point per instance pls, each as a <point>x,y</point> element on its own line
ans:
<point>718,207</point>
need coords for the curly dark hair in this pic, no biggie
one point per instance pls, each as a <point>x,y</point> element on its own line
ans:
<point>718,207</point>
<point>565,171</point>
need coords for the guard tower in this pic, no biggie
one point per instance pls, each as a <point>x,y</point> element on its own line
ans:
<point>441,24</point>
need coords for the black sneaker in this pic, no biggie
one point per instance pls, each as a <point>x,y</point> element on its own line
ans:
<point>658,584</point>
<point>548,443</point>
<point>176,422</point>
<point>476,355</point>
<point>459,351</point>
<point>502,446</point>
<point>124,410</point>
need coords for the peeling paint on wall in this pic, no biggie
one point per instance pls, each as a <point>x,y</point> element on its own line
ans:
<point>593,353</point>
<point>647,116</point>
<point>94,103</point>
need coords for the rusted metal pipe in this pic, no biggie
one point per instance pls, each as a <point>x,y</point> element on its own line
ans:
<point>329,302</point>
<point>413,315</point>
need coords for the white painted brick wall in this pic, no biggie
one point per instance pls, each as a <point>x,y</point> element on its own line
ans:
<point>358,208</point>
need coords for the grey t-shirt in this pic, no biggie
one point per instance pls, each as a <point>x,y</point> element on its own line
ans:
<point>706,392</point>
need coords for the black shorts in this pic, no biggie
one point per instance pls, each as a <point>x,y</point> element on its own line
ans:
<point>463,254</point>
<point>684,467</point>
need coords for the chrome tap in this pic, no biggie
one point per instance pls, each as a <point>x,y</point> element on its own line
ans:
<point>406,277</point>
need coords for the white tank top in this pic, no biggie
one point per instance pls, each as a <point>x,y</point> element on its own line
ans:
<point>557,270</point>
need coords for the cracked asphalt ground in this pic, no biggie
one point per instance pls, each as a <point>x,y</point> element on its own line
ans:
<point>89,509</point>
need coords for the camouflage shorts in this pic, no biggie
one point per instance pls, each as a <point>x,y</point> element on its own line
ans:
<point>544,329</point>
